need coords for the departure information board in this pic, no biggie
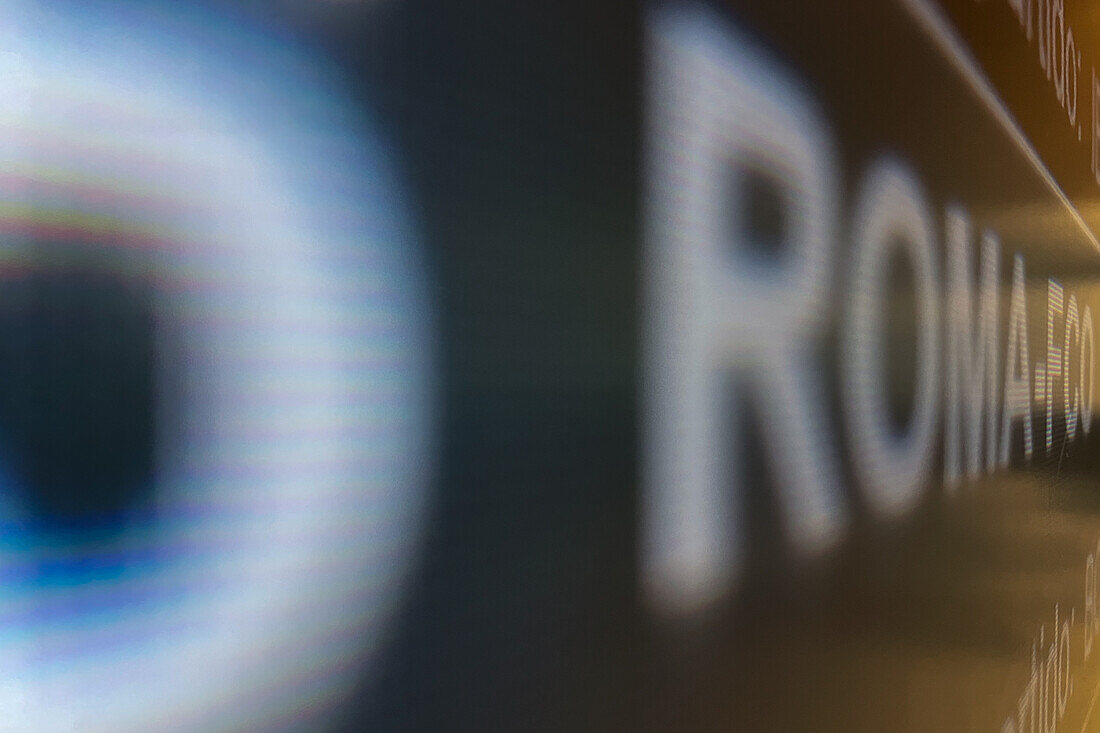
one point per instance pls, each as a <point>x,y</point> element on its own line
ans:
<point>765,354</point>
<point>692,365</point>
<point>869,366</point>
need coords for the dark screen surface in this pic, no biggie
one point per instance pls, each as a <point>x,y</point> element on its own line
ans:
<point>416,365</point>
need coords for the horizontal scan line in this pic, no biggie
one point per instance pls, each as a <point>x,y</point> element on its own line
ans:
<point>933,21</point>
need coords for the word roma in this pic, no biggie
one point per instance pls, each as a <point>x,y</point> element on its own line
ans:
<point>716,313</point>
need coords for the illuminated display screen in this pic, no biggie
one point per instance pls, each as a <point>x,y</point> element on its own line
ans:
<point>869,366</point>
<point>420,365</point>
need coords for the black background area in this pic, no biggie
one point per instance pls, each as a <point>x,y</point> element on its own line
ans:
<point>76,391</point>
